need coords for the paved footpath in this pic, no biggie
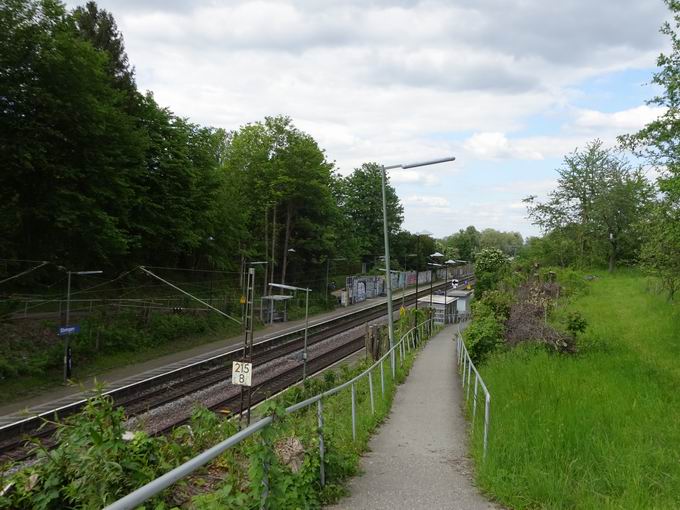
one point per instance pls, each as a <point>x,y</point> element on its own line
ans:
<point>418,458</point>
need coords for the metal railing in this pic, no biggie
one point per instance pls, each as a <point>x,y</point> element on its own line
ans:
<point>467,368</point>
<point>407,343</point>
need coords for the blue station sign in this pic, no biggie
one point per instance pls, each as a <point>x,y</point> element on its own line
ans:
<point>69,330</point>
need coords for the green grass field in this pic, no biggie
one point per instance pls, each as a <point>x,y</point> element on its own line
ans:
<point>600,429</point>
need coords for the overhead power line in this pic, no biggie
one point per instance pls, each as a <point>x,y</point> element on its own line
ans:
<point>24,272</point>
<point>190,295</point>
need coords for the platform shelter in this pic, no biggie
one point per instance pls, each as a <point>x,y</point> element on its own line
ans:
<point>444,307</point>
<point>274,308</point>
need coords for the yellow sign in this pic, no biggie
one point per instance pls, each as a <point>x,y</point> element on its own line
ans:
<point>243,300</point>
<point>402,311</point>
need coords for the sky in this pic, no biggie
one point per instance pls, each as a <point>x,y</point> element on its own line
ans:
<point>508,87</point>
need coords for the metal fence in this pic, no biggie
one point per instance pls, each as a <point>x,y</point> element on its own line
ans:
<point>467,370</point>
<point>397,353</point>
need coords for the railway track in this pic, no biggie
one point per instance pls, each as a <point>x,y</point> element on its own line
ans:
<point>140,396</point>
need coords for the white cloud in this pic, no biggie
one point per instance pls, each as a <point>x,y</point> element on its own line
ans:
<point>623,121</point>
<point>527,187</point>
<point>394,81</point>
<point>497,146</point>
<point>425,200</point>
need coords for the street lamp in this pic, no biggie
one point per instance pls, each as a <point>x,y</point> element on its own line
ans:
<point>456,262</point>
<point>446,287</point>
<point>306,291</point>
<point>67,346</point>
<point>432,274</point>
<point>390,323</point>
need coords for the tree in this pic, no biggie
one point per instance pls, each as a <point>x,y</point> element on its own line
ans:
<point>659,255</point>
<point>659,143</point>
<point>465,242</point>
<point>598,199</point>
<point>360,200</point>
<point>99,28</point>
<point>284,182</point>
<point>491,265</point>
<point>68,149</point>
<point>508,242</point>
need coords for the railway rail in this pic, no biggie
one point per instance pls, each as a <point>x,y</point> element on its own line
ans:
<point>166,384</point>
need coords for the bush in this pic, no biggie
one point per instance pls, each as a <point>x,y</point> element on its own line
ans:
<point>499,302</point>
<point>576,323</point>
<point>484,334</point>
<point>491,266</point>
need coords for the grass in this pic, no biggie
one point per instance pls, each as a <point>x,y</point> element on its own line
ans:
<point>24,386</point>
<point>594,430</point>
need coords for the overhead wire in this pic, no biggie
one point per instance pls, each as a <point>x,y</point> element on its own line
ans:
<point>44,263</point>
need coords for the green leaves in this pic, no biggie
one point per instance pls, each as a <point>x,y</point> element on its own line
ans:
<point>592,213</point>
<point>360,198</point>
<point>491,265</point>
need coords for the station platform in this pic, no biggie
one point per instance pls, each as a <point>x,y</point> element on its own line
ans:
<point>62,395</point>
<point>418,458</point>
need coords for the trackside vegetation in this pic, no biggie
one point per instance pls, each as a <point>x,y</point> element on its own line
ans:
<point>94,463</point>
<point>596,428</point>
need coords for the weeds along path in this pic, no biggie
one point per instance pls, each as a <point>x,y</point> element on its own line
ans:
<point>598,429</point>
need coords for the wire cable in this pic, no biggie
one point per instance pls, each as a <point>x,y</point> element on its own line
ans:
<point>44,263</point>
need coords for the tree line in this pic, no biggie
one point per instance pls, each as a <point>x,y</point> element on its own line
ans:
<point>98,174</point>
<point>604,210</point>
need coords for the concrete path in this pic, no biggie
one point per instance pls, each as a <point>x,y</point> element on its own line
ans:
<point>418,458</point>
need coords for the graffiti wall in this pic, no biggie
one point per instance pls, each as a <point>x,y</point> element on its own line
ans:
<point>361,288</point>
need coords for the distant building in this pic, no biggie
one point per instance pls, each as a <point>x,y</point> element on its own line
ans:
<point>441,305</point>
<point>464,300</point>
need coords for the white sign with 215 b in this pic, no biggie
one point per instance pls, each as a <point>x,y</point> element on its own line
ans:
<point>241,373</point>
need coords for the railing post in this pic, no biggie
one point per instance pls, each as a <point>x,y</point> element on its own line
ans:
<point>370,390</point>
<point>474,401</point>
<point>322,471</point>
<point>382,379</point>
<point>465,360</point>
<point>394,366</point>
<point>467,396</point>
<point>486,423</point>
<point>354,413</point>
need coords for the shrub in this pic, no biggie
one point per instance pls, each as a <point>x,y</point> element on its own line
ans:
<point>498,301</point>
<point>484,334</point>
<point>576,323</point>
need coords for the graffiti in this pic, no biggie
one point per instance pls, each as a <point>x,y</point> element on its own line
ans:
<point>361,291</point>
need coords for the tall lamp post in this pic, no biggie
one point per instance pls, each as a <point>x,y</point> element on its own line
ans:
<point>67,343</point>
<point>433,271</point>
<point>446,287</point>
<point>390,323</point>
<point>435,255</point>
<point>304,349</point>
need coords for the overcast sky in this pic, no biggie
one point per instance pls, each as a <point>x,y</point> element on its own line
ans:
<point>508,87</point>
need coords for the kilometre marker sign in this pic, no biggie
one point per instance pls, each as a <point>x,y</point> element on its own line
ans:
<point>241,373</point>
